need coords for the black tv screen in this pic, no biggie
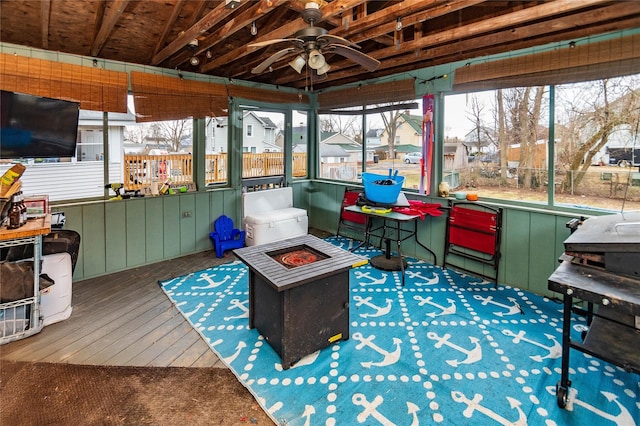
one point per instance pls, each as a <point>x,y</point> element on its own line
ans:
<point>36,127</point>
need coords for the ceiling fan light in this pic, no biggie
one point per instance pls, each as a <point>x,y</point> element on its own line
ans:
<point>316,59</point>
<point>297,64</point>
<point>324,69</point>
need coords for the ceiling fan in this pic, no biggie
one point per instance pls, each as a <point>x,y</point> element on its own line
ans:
<point>311,44</point>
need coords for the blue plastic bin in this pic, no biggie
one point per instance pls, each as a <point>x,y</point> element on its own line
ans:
<point>384,194</point>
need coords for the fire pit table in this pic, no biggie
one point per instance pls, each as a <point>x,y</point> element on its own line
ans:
<point>299,294</point>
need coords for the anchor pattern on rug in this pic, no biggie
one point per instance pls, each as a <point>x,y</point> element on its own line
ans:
<point>361,276</point>
<point>461,351</point>
<point>378,311</point>
<point>471,355</point>
<point>622,418</point>
<point>444,310</point>
<point>389,357</point>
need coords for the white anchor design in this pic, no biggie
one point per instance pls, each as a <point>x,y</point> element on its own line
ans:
<point>427,281</point>
<point>473,355</point>
<point>379,310</point>
<point>389,357</point>
<point>444,310</point>
<point>307,360</point>
<point>624,418</point>
<point>474,405</point>
<point>212,284</point>
<point>374,281</point>
<point>555,351</point>
<point>413,410</point>
<point>241,345</point>
<point>196,309</point>
<point>308,412</point>
<point>370,409</point>
<point>237,304</point>
<point>514,309</point>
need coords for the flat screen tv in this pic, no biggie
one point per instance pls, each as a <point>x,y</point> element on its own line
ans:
<point>36,127</point>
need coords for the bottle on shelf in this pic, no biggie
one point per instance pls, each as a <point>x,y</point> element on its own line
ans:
<point>23,208</point>
<point>15,213</point>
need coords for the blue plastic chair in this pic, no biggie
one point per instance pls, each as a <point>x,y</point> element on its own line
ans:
<point>225,236</point>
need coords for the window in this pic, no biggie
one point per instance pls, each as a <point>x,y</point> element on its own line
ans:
<point>500,147</point>
<point>393,130</point>
<point>216,143</point>
<point>249,130</point>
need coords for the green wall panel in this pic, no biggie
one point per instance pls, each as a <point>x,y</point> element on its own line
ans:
<point>115,235</point>
<point>516,255</point>
<point>74,222</point>
<point>187,220</point>
<point>135,233</point>
<point>203,223</point>
<point>171,226</point>
<point>153,227</point>
<point>542,232</point>
<point>93,244</point>
<point>124,234</point>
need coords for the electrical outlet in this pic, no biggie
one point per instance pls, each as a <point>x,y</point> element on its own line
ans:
<point>186,214</point>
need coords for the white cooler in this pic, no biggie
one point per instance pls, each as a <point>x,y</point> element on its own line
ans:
<point>275,225</point>
<point>55,301</point>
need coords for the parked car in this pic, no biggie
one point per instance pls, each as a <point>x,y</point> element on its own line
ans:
<point>412,157</point>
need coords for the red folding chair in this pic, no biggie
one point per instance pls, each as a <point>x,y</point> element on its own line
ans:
<point>474,232</point>
<point>354,224</point>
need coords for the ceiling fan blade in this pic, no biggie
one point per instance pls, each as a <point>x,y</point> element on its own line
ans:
<point>276,40</point>
<point>271,59</point>
<point>330,39</point>
<point>366,61</point>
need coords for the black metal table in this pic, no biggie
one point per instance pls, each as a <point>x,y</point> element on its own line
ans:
<point>387,261</point>
<point>299,309</point>
<point>613,334</point>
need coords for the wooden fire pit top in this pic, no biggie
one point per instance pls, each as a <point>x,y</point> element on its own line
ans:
<point>260,259</point>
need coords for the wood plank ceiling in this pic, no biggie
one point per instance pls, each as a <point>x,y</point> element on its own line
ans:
<point>162,32</point>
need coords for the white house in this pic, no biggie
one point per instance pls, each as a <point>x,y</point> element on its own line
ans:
<point>80,176</point>
<point>259,134</point>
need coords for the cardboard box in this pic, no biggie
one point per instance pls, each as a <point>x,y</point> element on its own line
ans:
<point>37,205</point>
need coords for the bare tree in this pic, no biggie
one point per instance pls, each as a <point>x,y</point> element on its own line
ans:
<point>390,120</point>
<point>174,131</point>
<point>348,125</point>
<point>523,110</point>
<point>595,111</point>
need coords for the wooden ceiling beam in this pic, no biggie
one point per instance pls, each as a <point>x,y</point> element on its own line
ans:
<point>465,42</point>
<point>116,7</point>
<point>232,26</point>
<point>168,26</point>
<point>209,20</point>
<point>332,9</point>
<point>45,13</point>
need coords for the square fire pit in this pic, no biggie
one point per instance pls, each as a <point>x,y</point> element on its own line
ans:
<point>299,294</point>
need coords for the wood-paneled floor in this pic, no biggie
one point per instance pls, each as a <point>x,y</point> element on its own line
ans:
<point>123,319</point>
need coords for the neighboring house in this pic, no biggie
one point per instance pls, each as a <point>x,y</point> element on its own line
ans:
<point>258,134</point>
<point>479,141</point>
<point>353,148</point>
<point>299,134</point>
<point>374,138</point>
<point>455,156</point>
<point>86,170</point>
<point>408,131</point>
<point>335,163</point>
<point>90,135</point>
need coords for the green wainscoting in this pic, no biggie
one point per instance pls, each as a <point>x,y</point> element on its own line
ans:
<point>120,235</point>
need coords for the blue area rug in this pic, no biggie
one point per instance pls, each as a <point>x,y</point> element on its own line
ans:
<point>445,349</point>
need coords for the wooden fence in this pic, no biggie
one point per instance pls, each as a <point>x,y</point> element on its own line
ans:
<point>144,170</point>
